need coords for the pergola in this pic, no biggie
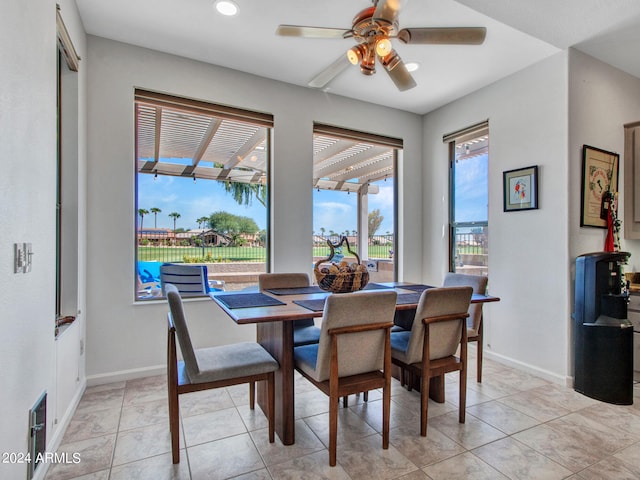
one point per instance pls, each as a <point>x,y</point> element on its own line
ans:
<point>179,142</point>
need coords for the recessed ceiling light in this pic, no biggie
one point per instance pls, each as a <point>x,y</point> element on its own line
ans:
<point>227,7</point>
<point>412,66</point>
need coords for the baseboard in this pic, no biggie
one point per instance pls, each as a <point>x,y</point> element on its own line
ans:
<point>123,375</point>
<point>533,370</point>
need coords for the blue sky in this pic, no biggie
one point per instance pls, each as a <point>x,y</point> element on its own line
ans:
<point>190,200</point>
<point>472,189</point>
<point>338,211</point>
<point>332,210</point>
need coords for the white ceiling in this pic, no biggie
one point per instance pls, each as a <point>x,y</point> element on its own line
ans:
<point>519,33</point>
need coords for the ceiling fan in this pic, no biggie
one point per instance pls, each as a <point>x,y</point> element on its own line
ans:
<point>373,28</point>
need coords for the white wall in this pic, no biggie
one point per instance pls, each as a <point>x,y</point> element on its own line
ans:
<point>27,198</point>
<point>528,250</point>
<point>124,339</point>
<point>601,100</point>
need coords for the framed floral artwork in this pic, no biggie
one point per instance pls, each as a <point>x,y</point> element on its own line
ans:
<point>520,189</point>
<point>599,185</point>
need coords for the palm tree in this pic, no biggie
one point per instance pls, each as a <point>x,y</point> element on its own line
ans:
<point>202,220</point>
<point>155,211</point>
<point>175,216</point>
<point>322,230</point>
<point>142,212</point>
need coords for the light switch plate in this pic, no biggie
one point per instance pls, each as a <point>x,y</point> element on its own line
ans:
<point>18,255</point>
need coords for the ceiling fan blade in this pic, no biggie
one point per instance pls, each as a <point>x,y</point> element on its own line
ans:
<point>329,73</point>
<point>444,36</point>
<point>398,72</point>
<point>387,10</point>
<point>311,32</point>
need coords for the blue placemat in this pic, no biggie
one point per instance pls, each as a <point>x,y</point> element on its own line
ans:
<point>376,286</point>
<point>405,298</point>
<point>247,300</point>
<point>314,304</point>
<point>316,289</point>
<point>415,288</point>
<point>317,304</point>
<point>296,290</point>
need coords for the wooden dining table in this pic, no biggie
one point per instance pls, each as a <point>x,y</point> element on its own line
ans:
<point>272,311</point>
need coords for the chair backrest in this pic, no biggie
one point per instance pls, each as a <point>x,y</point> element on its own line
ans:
<point>283,280</point>
<point>179,321</point>
<point>357,352</point>
<point>444,336</point>
<point>479,285</point>
<point>190,280</point>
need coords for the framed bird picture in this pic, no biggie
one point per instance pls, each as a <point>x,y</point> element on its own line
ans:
<point>520,189</point>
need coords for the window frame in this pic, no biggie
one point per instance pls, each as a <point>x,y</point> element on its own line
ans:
<point>201,169</point>
<point>375,140</point>
<point>66,248</point>
<point>452,139</point>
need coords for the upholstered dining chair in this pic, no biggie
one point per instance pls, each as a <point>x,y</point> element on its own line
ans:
<point>474,322</point>
<point>305,331</point>
<point>212,367</point>
<point>353,354</point>
<point>429,349</point>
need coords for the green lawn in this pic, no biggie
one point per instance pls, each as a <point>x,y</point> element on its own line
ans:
<point>231,254</point>
<point>212,254</point>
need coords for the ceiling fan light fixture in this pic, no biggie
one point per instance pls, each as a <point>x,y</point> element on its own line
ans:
<point>368,63</point>
<point>373,29</point>
<point>355,54</point>
<point>383,47</point>
<point>227,8</point>
<point>390,61</point>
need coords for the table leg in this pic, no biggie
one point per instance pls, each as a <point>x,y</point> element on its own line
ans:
<point>436,389</point>
<point>277,339</point>
<point>436,385</point>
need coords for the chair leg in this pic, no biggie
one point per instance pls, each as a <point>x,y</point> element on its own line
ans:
<point>271,405</point>
<point>424,402</point>
<point>252,395</point>
<point>345,401</point>
<point>365,396</point>
<point>479,343</point>
<point>174,422</point>
<point>463,396</point>
<point>333,429</point>
<point>479,361</point>
<point>386,412</point>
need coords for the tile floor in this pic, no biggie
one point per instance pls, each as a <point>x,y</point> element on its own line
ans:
<point>518,426</point>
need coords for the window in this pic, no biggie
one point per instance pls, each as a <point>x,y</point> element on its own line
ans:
<point>355,196</point>
<point>469,201</point>
<point>201,190</point>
